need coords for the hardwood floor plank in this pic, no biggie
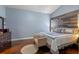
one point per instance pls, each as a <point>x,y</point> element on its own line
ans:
<point>17,45</point>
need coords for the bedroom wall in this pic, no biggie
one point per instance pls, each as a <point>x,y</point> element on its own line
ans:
<point>23,23</point>
<point>64,9</point>
<point>2,11</point>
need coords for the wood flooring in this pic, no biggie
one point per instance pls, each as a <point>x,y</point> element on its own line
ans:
<point>17,45</point>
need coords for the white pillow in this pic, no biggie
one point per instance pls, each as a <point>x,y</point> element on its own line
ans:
<point>69,31</point>
<point>58,30</point>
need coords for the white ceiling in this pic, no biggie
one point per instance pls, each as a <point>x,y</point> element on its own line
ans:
<point>48,9</point>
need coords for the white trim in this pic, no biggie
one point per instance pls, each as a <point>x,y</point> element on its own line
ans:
<point>25,38</point>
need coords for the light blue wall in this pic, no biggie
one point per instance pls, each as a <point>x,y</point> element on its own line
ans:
<point>23,23</point>
<point>64,9</point>
<point>2,14</point>
<point>2,11</point>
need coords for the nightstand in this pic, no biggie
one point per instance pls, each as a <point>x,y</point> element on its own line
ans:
<point>78,44</point>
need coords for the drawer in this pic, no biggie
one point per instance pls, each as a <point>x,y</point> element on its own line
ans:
<point>1,37</point>
<point>7,44</point>
<point>5,41</point>
<point>1,46</point>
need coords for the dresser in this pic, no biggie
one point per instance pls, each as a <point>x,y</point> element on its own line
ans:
<point>5,40</point>
<point>5,35</point>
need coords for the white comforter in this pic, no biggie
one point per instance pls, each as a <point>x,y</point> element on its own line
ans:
<point>58,39</point>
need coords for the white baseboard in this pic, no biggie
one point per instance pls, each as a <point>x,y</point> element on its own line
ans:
<point>21,38</point>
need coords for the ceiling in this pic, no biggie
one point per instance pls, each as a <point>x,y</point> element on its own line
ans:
<point>48,9</point>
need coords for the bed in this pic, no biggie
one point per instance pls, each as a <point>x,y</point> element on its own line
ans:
<point>58,41</point>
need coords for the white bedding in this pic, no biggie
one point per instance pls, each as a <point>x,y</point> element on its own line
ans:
<point>58,39</point>
<point>55,35</point>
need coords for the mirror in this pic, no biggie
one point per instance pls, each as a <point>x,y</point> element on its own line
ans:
<point>1,24</point>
